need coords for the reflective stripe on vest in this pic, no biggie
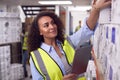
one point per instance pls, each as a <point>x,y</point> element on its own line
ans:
<point>41,64</point>
<point>37,65</point>
<point>50,67</point>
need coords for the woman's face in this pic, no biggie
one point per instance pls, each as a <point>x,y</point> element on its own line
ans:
<point>47,27</point>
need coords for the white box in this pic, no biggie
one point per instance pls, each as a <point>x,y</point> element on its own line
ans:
<point>12,15</point>
<point>5,75</point>
<point>105,16</point>
<point>5,51</point>
<point>16,71</point>
<point>10,30</point>
<point>115,12</point>
<point>4,66</point>
<point>3,14</point>
<point>3,8</point>
<point>13,9</point>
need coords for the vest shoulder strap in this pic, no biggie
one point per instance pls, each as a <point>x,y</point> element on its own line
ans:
<point>41,64</point>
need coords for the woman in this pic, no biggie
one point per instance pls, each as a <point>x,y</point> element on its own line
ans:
<point>51,53</point>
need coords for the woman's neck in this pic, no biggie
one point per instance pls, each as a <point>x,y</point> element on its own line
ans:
<point>51,42</point>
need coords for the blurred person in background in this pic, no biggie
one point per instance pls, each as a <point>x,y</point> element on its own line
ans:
<point>78,27</point>
<point>51,53</point>
<point>25,54</point>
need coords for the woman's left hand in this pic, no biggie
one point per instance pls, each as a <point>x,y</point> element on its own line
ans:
<point>101,3</point>
<point>70,77</point>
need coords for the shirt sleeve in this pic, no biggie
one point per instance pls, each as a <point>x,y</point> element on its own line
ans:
<point>35,74</point>
<point>82,35</point>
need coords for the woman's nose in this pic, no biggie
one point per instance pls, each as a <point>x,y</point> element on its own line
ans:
<point>51,25</point>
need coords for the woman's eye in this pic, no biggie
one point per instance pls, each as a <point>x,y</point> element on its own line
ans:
<point>46,25</point>
<point>52,22</point>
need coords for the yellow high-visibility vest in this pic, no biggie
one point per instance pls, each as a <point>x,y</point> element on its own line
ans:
<point>47,67</point>
<point>24,47</point>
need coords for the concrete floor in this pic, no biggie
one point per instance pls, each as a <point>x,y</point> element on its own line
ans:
<point>27,78</point>
<point>29,73</point>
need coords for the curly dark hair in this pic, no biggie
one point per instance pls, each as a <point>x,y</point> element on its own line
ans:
<point>34,37</point>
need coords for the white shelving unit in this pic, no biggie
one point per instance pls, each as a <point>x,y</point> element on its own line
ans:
<point>10,26</point>
<point>107,43</point>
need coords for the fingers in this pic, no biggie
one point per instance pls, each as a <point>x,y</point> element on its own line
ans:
<point>107,3</point>
<point>70,77</point>
<point>93,2</point>
<point>101,3</point>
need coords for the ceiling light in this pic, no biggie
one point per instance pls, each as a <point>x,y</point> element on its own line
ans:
<point>54,2</point>
<point>79,8</point>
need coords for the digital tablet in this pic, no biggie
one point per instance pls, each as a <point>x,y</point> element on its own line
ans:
<point>81,58</point>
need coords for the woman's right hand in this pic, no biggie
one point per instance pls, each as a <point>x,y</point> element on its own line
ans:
<point>70,77</point>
